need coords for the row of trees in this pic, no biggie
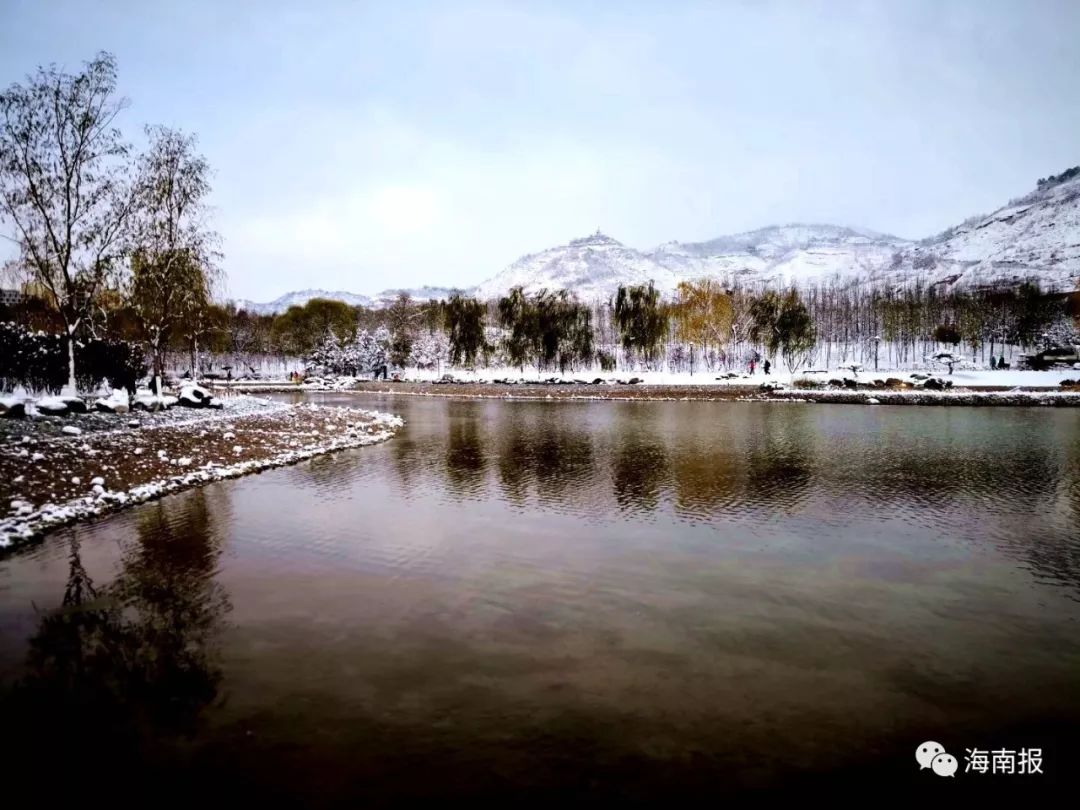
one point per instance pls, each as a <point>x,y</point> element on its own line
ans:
<point>101,229</point>
<point>707,326</point>
<point>117,246</point>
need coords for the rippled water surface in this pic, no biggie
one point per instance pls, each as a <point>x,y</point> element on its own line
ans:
<point>635,600</point>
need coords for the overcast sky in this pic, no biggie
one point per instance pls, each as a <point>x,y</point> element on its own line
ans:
<point>361,146</point>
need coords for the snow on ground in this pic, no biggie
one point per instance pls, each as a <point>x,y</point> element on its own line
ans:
<point>960,378</point>
<point>978,378</point>
<point>50,479</point>
<point>44,424</point>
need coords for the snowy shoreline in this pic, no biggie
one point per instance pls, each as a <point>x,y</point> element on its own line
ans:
<point>43,494</point>
<point>956,397</point>
<point>504,384</point>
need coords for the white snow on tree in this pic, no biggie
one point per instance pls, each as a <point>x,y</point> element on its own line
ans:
<point>328,355</point>
<point>370,350</point>
<point>430,349</point>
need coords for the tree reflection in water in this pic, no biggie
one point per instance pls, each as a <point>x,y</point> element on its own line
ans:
<point>119,670</point>
<point>545,452</point>
<point>639,467</point>
<point>466,463</point>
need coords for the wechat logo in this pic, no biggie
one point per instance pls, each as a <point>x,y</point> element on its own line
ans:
<point>932,755</point>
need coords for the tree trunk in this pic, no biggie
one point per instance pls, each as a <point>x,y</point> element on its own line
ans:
<point>71,389</point>
<point>159,370</point>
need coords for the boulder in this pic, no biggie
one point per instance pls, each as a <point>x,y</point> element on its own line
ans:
<point>933,384</point>
<point>146,401</point>
<point>118,402</point>
<point>893,382</point>
<point>12,408</point>
<point>193,396</point>
<point>850,383</point>
<point>76,405</point>
<point>52,406</point>
<point>836,383</point>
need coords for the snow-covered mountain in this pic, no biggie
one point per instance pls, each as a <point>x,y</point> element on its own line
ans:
<point>299,298</point>
<point>417,294</point>
<point>1035,236</point>
<point>595,266</point>
<point>592,267</point>
<point>783,254</point>
<point>383,299</point>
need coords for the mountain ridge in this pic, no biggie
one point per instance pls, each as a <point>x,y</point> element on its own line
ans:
<point>1036,235</point>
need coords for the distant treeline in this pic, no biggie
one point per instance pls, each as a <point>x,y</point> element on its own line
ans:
<point>708,325</point>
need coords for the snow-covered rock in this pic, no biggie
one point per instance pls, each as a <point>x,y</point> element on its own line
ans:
<point>195,396</point>
<point>75,405</point>
<point>71,430</point>
<point>146,400</point>
<point>117,402</point>
<point>52,406</point>
<point>12,408</point>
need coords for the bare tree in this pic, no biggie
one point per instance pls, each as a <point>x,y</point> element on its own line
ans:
<point>63,184</point>
<point>173,269</point>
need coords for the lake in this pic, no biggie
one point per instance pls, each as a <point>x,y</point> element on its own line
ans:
<point>529,600</point>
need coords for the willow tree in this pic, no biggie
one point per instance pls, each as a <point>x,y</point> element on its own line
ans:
<point>465,323</point>
<point>518,316</point>
<point>703,314</point>
<point>781,323</point>
<point>172,266</point>
<point>64,185</point>
<point>641,320</point>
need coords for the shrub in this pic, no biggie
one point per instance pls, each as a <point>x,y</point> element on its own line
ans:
<point>38,361</point>
<point>606,361</point>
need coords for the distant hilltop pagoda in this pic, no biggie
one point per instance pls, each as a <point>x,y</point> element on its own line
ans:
<point>597,238</point>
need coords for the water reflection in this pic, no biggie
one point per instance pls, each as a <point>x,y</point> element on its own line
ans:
<point>466,462</point>
<point>542,452</point>
<point>778,451</point>
<point>717,464</point>
<point>117,666</point>
<point>639,468</point>
<point>639,598</point>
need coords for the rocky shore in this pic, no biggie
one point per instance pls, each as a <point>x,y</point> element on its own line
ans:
<point>53,474</point>
<point>869,394</point>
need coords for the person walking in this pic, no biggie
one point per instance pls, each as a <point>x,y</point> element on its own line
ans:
<point>767,366</point>
<point>753,363</point>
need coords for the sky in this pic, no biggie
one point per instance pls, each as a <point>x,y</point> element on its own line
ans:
<point>363,146</point>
